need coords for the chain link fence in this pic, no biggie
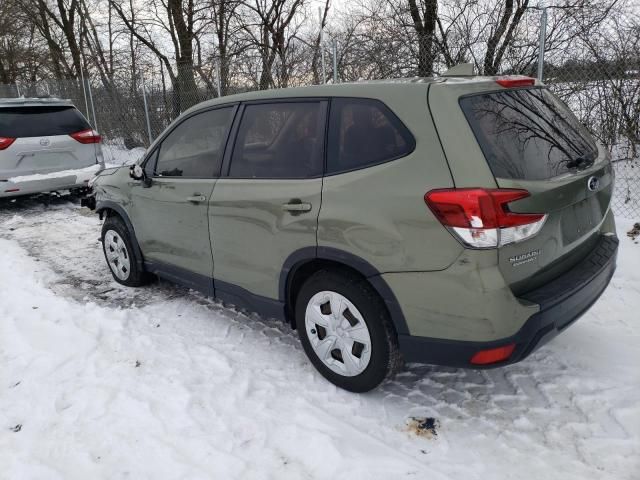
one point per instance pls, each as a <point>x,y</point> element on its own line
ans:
<point>603,94</point>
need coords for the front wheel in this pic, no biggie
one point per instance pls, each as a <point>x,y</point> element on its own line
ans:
<point>120,254</point>
<point>346,331</point>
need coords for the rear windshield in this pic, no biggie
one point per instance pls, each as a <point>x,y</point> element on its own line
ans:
<point>40,121</point>
<point>528,134</point>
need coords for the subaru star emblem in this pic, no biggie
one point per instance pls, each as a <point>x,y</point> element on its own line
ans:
<point>593,183</point>
<point>45,142</point>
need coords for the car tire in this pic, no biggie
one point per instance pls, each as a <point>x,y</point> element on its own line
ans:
<point>346,330</point>
<point>120,254</point>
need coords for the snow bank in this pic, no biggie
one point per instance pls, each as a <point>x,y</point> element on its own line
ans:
<point>140,393</point>
<point>116,155</point>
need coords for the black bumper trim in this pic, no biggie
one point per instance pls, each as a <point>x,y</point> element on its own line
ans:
<point>562,301</point>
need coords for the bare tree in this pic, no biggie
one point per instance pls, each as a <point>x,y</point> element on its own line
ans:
<point>317,46</point>
<point>229,42</point>
<point>502,34</point>
<point>181,20</point>
<point>270,33</point>
<point>424,14</point>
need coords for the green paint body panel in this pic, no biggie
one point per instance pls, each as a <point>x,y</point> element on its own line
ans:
<point>252,235</point>
<point>242,235</point>
<point>379,213</point>
<point>170,228</point>
<point>468,301</point>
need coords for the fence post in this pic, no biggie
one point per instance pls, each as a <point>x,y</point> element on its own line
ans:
<point>84,92</point>
<point>218,82</point>
<point>93,108</point>
<point>541,42</point>
<point>335,61</point>
<point>146,109</point>
<point>324,71</point>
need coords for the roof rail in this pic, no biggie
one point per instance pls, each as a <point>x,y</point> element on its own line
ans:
<point>460,70</point>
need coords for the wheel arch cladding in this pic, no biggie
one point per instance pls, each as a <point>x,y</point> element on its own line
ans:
<point>303,263</point>
<point>108,206</point>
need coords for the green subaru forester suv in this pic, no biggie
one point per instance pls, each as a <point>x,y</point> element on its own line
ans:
<point>459,221</point>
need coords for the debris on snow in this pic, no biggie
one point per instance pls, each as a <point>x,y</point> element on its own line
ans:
<point>425,427</point>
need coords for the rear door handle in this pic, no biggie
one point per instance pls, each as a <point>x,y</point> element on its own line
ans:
<point>296,206</point>
<point>196,198</point>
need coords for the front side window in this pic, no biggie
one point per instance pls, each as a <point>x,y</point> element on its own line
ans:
<point>364,132</point>
<point>279,140</point>
<point>194,148</point>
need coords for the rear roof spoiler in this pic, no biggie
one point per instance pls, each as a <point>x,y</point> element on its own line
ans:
<point>460,70</point>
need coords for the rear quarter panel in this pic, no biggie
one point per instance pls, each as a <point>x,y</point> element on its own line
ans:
<point>378,213</point>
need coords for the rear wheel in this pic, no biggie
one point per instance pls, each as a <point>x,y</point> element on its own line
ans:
<point>120,254</point>
<point>346,331</point>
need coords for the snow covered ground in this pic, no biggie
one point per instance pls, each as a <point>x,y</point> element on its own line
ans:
<point>101,381</point>
<point>116,154</point>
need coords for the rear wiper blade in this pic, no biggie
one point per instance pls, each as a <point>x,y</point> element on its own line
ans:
<point>581,161</point>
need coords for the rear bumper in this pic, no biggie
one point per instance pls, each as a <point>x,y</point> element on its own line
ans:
<point>562,301</point>
<point>51,182</point>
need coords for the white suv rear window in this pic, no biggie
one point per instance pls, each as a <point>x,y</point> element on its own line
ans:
<point>19,122</point>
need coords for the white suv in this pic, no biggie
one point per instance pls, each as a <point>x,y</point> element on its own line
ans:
<point>46,145</point>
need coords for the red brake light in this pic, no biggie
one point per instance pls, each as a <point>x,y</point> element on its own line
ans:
<point>515,81</point>
<point>5,142</point>
<point>481,217</point>
<point>493,355</point>
<point>86,136</point>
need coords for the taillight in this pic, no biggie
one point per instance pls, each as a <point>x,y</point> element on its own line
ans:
<point>480,217</point>
<point>515,81</point>
<point>5,142</point>
<point>86,136</point>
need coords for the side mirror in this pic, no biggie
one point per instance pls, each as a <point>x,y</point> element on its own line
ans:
<point>136,172</point>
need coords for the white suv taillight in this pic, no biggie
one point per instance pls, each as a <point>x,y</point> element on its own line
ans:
<point>86,136</point>
<point>5,142</point>
<point>480,217</point>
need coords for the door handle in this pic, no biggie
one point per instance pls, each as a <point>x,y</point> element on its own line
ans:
<point>296,206</point>
<point>196,198</point>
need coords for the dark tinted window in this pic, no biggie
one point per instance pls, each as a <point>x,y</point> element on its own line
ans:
<point>364,132</point>
<point>279,140</point>
<point>194,148</point>
<point>528,134</point>
<point>40,121</point>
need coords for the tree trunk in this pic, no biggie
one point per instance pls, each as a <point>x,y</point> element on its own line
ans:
<point>425,30</point>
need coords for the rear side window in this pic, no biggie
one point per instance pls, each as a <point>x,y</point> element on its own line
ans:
<point>280,140</point>
<point>194,148</point>
<point>528,134</point>
<point>364,132</point>
<point>40,121</point>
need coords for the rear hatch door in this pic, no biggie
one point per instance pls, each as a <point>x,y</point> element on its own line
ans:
<point>43,142</point>
<point>532,141</point>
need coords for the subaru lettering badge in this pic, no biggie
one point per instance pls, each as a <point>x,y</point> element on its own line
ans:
<point>593,183</point>
<point>45,142</point>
